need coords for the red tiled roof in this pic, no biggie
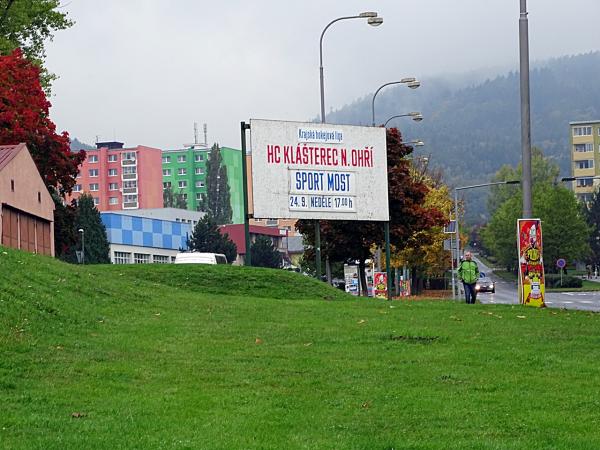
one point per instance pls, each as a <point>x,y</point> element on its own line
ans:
<point>8,152</point>
<point>236,234</point>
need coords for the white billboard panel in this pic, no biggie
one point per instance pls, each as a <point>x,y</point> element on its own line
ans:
<point>318,171</point>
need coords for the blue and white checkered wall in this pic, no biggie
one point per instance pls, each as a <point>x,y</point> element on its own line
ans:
<point>144,232</point>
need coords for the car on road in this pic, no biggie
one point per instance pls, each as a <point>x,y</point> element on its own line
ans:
<point>485,284</point>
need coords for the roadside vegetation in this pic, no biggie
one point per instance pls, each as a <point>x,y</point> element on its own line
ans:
<point>191,356</point>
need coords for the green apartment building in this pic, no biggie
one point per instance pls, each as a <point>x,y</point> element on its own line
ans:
<point>184,170</point>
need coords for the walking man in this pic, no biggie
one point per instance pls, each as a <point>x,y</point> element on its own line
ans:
<point>468,273</point>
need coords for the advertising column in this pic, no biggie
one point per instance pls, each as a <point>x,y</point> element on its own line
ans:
<point>531,262</point>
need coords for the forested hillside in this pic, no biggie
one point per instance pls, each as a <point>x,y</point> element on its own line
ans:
<point>470,132</point>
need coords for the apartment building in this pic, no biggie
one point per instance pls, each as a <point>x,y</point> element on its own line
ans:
<point>121,178</point>
<point>184,170</point>
<point>585,151</point>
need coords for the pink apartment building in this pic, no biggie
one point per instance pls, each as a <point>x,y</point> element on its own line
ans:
<point>121,178</point>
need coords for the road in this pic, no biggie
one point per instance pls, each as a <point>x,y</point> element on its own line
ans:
<point>506,293</point>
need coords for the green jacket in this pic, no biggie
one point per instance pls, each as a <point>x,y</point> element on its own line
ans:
<point>468,272</point>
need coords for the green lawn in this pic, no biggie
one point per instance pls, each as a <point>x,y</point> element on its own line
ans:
<point>187,357</point>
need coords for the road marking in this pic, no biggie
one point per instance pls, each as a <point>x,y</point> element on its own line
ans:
<point>567,302</point>
<point>587,302</point>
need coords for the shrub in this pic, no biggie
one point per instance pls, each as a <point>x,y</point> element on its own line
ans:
<point>553,281</point>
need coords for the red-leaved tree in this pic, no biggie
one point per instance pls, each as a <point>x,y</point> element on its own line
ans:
<point>24,118</point>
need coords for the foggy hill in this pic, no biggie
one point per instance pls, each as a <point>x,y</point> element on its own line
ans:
<point>77,145</point>
<point>470,132</point>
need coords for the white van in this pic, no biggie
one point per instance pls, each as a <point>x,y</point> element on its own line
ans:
<point>200,258</point>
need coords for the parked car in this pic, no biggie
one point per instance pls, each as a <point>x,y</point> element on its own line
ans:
<point>200,258</point>
<point>485,284</point>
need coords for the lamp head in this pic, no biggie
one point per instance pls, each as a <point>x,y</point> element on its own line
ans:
<point>417,117</point>
<point>375,21</point>
<point>414,84</point>
<point>417,143</point>
<point>80,230</point>
<point>368,14</point>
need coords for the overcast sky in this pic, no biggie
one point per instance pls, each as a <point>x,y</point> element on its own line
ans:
<point>143,71</point>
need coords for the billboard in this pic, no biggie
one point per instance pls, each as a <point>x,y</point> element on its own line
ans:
<point>318,171</point>
<point>531,262</point>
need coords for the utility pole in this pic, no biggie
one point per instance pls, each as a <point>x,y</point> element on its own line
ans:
<point>525,110</point>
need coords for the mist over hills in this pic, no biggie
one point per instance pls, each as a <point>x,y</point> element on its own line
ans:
<point>471,131</point>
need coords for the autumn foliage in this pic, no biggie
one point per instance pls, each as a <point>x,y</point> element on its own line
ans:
<point>24,117</point>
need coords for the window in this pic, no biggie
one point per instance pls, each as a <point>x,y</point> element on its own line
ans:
<point>96,201</point>
<point>199,171</point>
<point>39,197</point>
<point>198,157</point>
<point>160,259</point>
<point>582,131</point>
<point>77,188</point>
<point>166,172</point>
<point>199,184</point>
<point>166,159</point>
<point>198,196</point>
<point>129,184</point>
<point>141,258</point>
<point>182,171</point>
<point>584,164</point>
<point>113,201</point>
<point>586,198</point>
<point>129,170</point>
<point>93,187</point>
<point>584,182</point>
<point>584,147</point>
<point>113,187</point>
<point>128,156</point>
<point>181,158</point>
<point>93,158</point>
<point>166,184</point>
<point>122,258</point>
<point>93,172</point>
<point>112,158</point>
<point>130,199</point>
<point>112,172</point>
<point>184,196</point>
<point>182,184</point>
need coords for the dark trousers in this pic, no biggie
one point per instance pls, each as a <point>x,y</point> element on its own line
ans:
<point>470,293</point>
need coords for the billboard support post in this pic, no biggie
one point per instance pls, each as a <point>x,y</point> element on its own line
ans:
<point>388,268</point>
<point>248,257</point>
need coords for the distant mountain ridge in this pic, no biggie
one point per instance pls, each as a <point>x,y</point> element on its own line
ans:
<point>77,145</point>
<point>472,131</point>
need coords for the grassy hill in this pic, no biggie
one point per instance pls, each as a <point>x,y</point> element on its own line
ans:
<point>237,358</point>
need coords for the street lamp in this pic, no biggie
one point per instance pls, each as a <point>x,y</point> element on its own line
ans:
<point>82,245</point>
<point>375,21</point>
<point>416,116</point>
<point>372,20</point>
<point>411,82</point>
<point>462,188</point>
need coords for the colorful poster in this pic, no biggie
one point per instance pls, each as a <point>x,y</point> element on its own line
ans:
<point>351,278</point>
<point>531,262</point>
<point>404,288</point>
<point>380,284</point>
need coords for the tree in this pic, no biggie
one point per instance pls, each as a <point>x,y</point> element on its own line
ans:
<point>565,232</point>
<point>592,216</point>
<point>24,117</point>
<point>65,235</point>
<point>28,25</point>
<point>544,170</point>
<point>87,218</point>
<point>206,237</point>
<point>265,254</point>
<point>174,200</point>
<point>217,200</point>
<point>352,240</point>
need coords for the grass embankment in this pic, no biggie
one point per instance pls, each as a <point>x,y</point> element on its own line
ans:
<point>239,358</point>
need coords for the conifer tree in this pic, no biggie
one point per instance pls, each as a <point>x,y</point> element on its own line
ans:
<point>217,200</point>
<point>206,237</point>
<point>87,218</point>
<point>264,253</point>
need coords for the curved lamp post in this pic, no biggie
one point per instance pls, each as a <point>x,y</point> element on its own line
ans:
<point>411,82</point>
<point>374,21</point>
<point>416,116</point>
<point>82,245</point>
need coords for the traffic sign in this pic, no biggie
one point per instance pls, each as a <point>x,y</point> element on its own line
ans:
<point>561,263</point>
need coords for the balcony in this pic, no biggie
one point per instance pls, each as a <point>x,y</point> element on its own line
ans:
<point>128,176</point>
<point>130,205</point>
<point>130,191</point>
